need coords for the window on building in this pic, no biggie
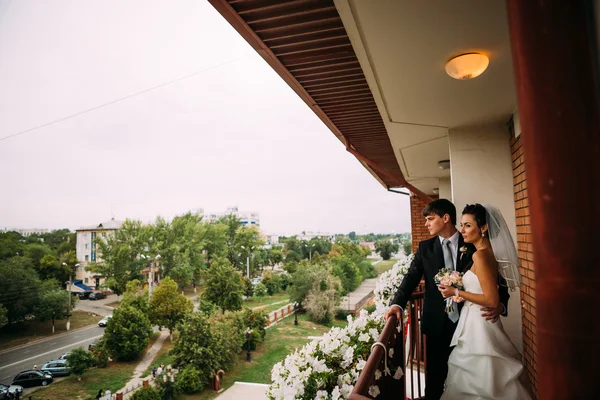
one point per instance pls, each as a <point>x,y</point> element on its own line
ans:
<point>86,280</point>
<point>86,245</point>
<point>87,258</point>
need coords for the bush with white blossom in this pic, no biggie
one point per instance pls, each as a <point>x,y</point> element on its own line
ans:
<point>389,282</point>
<point>328,368</point>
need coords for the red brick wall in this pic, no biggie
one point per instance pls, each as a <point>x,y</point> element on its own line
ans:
<point>417,221</point>
<point>527,267</point>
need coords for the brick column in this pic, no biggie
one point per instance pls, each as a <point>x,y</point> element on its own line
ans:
<point>526,266</point>
<point>417,221</point>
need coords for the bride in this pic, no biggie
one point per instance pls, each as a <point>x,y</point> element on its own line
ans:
<point>484,364</point>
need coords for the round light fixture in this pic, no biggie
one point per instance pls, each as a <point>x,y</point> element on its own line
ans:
<point>467,66</point>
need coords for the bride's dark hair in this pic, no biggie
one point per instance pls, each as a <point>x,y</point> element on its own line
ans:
<point>477,211</point>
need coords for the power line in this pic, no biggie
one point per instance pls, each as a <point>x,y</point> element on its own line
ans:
<point>122,98</point>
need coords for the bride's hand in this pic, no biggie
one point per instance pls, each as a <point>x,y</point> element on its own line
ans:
<point>447,291</point>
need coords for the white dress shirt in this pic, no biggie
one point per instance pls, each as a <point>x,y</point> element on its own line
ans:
<point>454,245</point>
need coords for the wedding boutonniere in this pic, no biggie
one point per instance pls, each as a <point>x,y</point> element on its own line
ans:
<point>463,251</point>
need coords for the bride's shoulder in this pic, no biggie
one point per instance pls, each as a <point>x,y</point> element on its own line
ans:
<point>484,257</point>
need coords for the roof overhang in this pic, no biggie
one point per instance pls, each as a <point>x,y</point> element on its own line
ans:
<point>306,43</point>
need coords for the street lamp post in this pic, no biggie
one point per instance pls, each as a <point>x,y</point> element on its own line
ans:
<point>70,294</point>
<point>248,261</point>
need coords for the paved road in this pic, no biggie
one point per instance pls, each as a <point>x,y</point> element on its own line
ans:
<point>15,360</point>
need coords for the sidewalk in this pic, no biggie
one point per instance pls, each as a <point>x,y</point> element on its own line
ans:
<point>365,290</point>
<point>143,366</point>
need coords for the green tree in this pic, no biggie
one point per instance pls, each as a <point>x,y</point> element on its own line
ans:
<point>196,347</point>
<point>260,291</point>
<point>20,288</point>
<point>146,393</point>
<point>385,248</point>
<point>11,245</point>
<point>407,247</point>
<point>223,286</point>
<point>3,316</point>
<point>120,252</point>
<point>321,301</point>
<point>35,252</point>
<point>306,276</point>
<point>50,267</point>
<point>168,307</point>
<point>348,272</point>
<point>127,333</point>
<point>190,379</point>
<point>53,303</point>
<point>352,236</point>
<point>275,257</point>
<point>79,361</point>
<point>136,297</point>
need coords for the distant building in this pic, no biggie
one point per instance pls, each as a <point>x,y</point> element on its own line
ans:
<point>26,232</point>
<point>247,218</point>
<point>370,245</point>
<point>318,235</point>
<point>87,249</point>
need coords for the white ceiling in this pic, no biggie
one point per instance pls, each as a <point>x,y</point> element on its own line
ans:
<point>403,46</point>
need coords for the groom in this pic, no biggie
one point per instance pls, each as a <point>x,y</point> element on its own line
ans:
<point>441,251</point>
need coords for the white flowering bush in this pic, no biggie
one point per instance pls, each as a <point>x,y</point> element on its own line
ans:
<point>328,368</point>
<point>389,281</point>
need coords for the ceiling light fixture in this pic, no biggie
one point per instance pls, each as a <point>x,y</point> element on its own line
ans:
<point>444,164</point>
<point>467,66</point>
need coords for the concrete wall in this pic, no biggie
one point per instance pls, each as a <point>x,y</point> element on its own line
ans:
<point>481,172</point>
<point>445,189</point>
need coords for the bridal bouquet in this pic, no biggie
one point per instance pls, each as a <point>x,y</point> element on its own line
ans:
<point>450,278</point>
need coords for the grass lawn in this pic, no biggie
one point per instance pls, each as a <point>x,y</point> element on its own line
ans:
<point>384,265</point>
<point>257,304</point>
<point>281,340</point>
<point>115,376</point>
<point>274,306</point>
<point>27,331</point>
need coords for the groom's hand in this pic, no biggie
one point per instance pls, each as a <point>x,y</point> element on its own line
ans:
<point>491,313</point>
<point>394,310</point>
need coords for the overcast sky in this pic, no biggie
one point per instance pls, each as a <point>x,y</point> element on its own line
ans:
<point>231,134</point>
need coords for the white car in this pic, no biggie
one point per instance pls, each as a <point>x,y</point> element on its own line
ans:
<point>104,321</point>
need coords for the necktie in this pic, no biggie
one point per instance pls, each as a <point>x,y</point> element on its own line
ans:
<point>449,263</point>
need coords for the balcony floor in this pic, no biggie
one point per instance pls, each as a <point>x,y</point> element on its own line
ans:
<point>244,390</point>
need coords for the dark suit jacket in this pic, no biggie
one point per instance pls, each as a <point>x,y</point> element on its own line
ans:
<point>427,262</point>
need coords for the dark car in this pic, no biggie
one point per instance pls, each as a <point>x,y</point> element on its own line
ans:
<point>97,296</point>
<point>12,389</point>
<point>56,368</point>
<point>85,295</point>
<point>32,378</point>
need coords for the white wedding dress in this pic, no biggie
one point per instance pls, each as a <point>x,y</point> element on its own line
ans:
<point>484,364</point>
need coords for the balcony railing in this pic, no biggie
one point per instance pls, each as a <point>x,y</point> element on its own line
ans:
<point>409,352</point>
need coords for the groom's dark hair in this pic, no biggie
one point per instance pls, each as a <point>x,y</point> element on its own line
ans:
<point>441,207</point>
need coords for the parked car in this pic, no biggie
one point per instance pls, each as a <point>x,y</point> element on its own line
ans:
<point>97,296</point>
<point>85,295</point>
<point>12,389</point>
<point>32,378</point>
<point>64,356</point>
<point>56,368</point>
<point>94,344</point>
<point>104,321</point>
<point>256,281</point>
